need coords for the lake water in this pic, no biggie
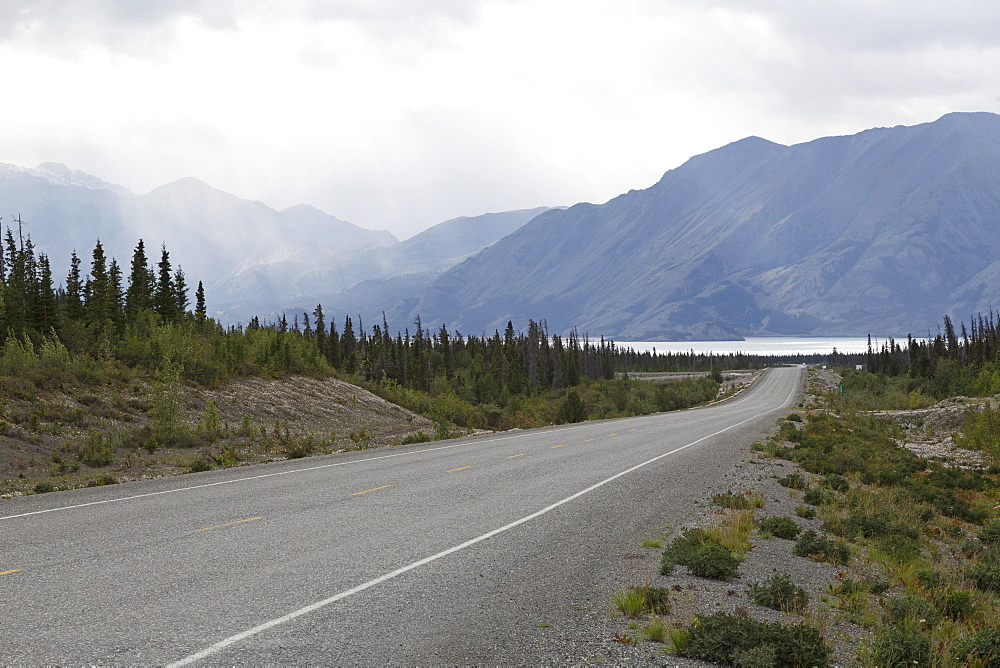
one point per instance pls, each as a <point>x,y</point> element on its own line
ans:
<point>763,345</point>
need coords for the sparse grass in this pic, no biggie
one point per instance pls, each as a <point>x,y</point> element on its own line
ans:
<point>805,512</point>
<point>651,543</point>
<point>656,629</point>
<point>733,528</point>
<point>743,501</point>
<point>644,600</point>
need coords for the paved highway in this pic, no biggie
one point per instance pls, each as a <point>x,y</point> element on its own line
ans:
<point>490,549</point>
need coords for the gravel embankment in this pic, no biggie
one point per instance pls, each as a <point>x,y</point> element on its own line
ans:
<point>693,595</point>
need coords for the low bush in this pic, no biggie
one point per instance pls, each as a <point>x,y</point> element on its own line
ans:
<point>811,544</point>
<point>982,648</point>
<point>702,554</point>
<point>912,609</point>
<point>815,496</point>
<point>899,646</point>
<point>726,638</point>
<point>954,604</point>
<point>733,501</point>
<point>793,481</point>
<point>837,483</point>
<point>985,573</point>
<point>805,512</point>
<point>990,533</point>
<point>779,593</point>
<point>782,527</point>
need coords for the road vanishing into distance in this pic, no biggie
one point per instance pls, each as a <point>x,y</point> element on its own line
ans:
<point>495,549</point>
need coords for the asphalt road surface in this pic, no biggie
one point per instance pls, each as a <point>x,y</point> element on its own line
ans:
<point>494,549</point>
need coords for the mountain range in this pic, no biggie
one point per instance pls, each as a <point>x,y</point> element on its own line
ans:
<point>884,231</point>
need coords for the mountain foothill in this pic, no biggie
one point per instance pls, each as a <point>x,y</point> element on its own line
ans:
<point>881,231</point>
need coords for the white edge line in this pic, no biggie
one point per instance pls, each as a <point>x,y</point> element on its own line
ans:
<point>313,468</point>
<point>231,640</point>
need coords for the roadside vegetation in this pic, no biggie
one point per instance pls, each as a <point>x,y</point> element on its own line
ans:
<point>113,373</point>
<point>912,540</point>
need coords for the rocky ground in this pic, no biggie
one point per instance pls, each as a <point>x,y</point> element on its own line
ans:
<point>929,433</point>
<point>41,434</point>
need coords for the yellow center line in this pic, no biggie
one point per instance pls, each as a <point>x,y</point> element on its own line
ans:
<point>520,455</point>
<point>227,524</point>
<point>16,570</point>
<point>612,434</point>
<point>557,446</point>
<point>373,489</point>
<point>587,440</point>
<point>458,469</point>
<point>633,430</point>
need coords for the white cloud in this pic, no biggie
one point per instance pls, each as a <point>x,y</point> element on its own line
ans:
<point>400,115</point>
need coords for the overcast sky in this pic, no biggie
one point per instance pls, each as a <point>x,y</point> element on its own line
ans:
<point>401,114</point>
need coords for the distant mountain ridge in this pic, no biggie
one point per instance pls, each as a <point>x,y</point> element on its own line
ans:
<point>207,231</point>
<point>885,231</point>
<point>253,259</point>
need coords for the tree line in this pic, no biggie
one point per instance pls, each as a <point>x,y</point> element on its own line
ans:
<point>142,320</point>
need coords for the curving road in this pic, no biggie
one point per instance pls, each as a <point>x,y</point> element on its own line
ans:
<point>491,549</point>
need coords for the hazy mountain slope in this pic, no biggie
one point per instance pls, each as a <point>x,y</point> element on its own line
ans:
<point>208,232</point>
<point>885,230</point>
<point>364,281</point>
<point>61,209</point>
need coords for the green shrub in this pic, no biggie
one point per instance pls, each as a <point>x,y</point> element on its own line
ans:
<point>725,638</point>
<point>572,408</point>
<point>837,483</point>
<point>985,573</point>
<point>702,554</point>
<point>106,479</point>
<point>811,544</point>
<point>954,604</point>
<point>929,577</point>
<point>913,609</point>
<point>199,464</point>
<point>96,451</point>
<point>779,593</point>
<point>737,501</point>
<point>990,533</point>
<point>805,512</point>
<point>981,648</point>
<point>898,646</point>
<point>782,527</point>
<point>301,446</point>
<point>815,496</point>
<point>793,481</point>
<point>874,525</point>
<point>419,437</point>
<point>44,488</point>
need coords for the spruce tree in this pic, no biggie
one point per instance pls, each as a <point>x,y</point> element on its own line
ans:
<point>320,324</point>
<point>46,315</point>
<point>139,295</point>
<point>74,290</point>
<point>181,300</point>
<point>200,313</point>
<point>165,294</point>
